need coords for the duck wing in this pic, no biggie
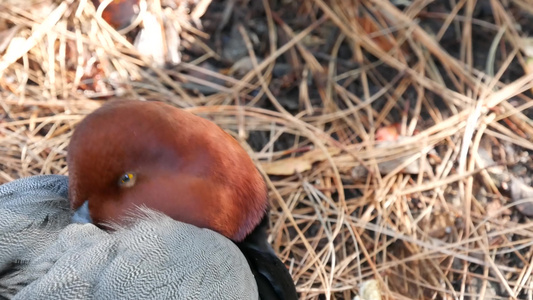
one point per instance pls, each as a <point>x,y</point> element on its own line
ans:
<point>43,256</point>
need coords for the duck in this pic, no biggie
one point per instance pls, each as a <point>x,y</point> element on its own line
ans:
<point>145,173</point>
<point>44,255</point>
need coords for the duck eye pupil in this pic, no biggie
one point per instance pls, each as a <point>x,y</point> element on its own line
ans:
<point>127,180</point>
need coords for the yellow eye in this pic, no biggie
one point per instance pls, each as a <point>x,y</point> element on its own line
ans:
<point>127,180</point>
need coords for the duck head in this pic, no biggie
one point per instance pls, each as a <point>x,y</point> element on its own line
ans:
<point>130,154</point>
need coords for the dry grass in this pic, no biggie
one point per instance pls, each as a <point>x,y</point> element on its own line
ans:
<point>446,231</point>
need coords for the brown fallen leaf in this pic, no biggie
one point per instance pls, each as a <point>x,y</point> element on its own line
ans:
<point>389,166</point>
<point>370,26</point>
<point>388,133</point>
<point>521,191</point>
<point>293,165</point>
<point>391,132</point>
<point>388,136</point>
<point>119,13</point>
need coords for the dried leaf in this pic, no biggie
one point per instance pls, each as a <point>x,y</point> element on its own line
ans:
<point>369,290</point>
<point>292,165</point>
<point>119,13</point>
<point>150,41</point>
<point>388,133</point>
<point>391,132</point>
<point>390,165</point>
<point>370,27</point>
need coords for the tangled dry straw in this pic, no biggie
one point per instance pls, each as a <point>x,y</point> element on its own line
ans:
<point>345,209</point>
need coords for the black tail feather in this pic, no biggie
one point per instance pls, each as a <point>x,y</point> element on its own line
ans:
<point>274,281</point>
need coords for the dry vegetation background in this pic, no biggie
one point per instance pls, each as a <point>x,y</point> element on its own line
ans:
<point>394,135</point>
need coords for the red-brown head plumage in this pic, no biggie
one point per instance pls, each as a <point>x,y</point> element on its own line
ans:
<point>183,165</point>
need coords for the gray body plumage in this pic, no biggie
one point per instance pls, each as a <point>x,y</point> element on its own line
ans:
<point>44,256</point>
